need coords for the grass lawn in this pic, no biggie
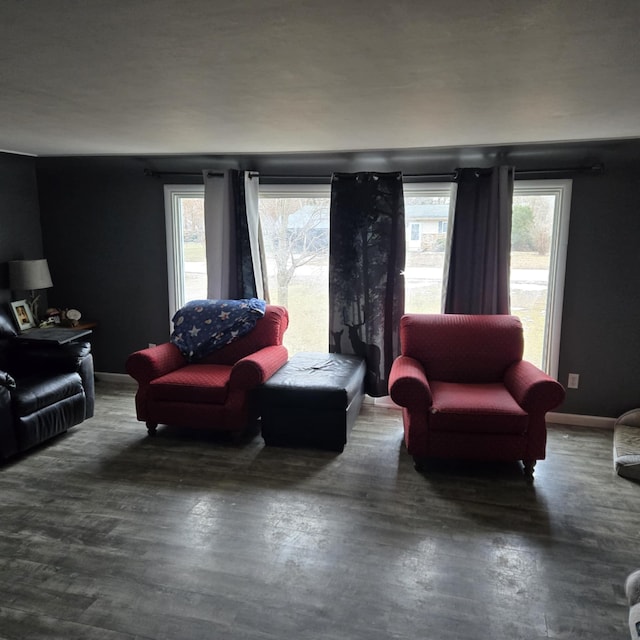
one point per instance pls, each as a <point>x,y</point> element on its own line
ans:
<point>308,302</point>
<point>194,252</point>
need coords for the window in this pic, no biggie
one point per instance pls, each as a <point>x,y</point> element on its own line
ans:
<point>295,223</point>
<point>539,235</point>
<point>427,207</point>
<point>540,227</point>
<point>186,261</point>
<point>295,228</point>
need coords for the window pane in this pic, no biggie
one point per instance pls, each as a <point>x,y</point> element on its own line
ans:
<point>531,240</point>
<point>195,265</point>
<point>296,228</point>
<point>296,237</point>
<point>426,217</point>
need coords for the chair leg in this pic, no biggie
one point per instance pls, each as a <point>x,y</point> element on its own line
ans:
<point>529,466</point>
<point>151,428</point>
<point>236,437</point>
<point>419,464</point>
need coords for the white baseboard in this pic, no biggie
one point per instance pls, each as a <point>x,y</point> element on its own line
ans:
<point>579,420</point>
<point>385,402</point>
<point>116,378</point>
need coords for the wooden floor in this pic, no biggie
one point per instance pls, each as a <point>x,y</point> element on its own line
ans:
<point>106,533</point>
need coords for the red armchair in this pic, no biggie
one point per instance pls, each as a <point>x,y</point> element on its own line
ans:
<point>467,393</point>
<point>216,391</point>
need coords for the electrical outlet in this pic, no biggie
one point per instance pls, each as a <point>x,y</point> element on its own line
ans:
<point>152,344</point>
<point>573,380</point>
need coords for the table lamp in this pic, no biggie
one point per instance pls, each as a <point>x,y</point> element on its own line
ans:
<point>30,275</point>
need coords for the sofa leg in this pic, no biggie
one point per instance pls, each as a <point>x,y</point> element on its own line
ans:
<point>529,465</point>
<point>151,428</point>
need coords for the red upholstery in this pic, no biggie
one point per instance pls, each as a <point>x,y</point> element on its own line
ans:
<point>467,393</point>
<point>214,393</point>
<point>208,383</point>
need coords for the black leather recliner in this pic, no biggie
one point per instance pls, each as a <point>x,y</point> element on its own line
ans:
<point>45,388</point>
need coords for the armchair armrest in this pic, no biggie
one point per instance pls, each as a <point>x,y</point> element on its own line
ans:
<point>532,388</point>
<point>258,367</point>
<point>408,384</point>
<point>148,364</point>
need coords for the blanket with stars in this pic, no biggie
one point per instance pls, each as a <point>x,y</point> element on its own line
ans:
<point>202,326</point>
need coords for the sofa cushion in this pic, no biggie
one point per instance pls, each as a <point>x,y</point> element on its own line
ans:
<point>33,393</point>
<point>487,408</point>
<point>194,383</point>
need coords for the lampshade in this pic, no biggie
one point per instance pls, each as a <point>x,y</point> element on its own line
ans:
<point>27,275</point>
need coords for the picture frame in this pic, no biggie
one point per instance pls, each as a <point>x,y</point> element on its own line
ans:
<point>22,314</point>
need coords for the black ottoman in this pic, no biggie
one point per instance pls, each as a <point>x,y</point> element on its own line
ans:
<point>312,401</point>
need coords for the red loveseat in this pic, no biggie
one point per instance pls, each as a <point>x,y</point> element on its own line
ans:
<point>216,391</point>
<point>467,393</point>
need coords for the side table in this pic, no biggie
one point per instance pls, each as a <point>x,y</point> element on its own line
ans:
<point>60,335</point>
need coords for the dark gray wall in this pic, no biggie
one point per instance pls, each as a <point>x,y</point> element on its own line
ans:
<point>601,317</point>
<point>20,233</point>
<point>104,229</point>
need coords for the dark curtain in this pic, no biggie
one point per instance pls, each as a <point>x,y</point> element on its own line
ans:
<point>480,251</point>
<point>235,255</point>
<point>366,261</point>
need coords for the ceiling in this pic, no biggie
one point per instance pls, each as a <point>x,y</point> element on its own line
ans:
<point>277,76</point>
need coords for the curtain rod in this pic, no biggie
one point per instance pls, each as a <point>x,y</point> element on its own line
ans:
<point>450,176</point>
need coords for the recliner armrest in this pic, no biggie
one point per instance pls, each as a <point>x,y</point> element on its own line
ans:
<point>408,384</point>
<point>532,388</point>
<point>7,381</point>
<point>8,441</point>
<point>148,364</point>
<point>47,357</point>
<point>257,368</point>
